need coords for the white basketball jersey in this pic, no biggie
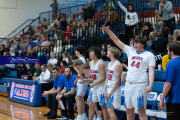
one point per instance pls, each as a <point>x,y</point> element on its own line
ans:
<point>138,65</point>
<point>112,74</point>
<point>95,71</point>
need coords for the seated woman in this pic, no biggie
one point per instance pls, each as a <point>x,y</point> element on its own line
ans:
<point>44,40</point>
<point>98,14</point>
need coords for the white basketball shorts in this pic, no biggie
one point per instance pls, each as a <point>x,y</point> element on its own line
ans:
<point>115,98</point>
<point>81,89</point>
<point>134,96</point>
<point>96,95</point>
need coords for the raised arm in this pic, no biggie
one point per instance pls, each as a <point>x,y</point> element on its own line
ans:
<point>115,39</point>
<point>121,6</point>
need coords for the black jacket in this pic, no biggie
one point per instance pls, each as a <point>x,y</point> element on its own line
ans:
<point>160,45</point>
<point>147,32</point>
<point>178,38</point>
<point>21,71</point>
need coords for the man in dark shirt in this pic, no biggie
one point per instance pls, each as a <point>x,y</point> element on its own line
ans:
<point>22,70</point>
<point>38,71</point>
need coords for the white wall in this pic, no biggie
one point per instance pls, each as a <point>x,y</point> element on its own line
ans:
<point>26,9</point>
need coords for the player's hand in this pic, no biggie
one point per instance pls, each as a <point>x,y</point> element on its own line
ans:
<point>58,97</point>
<point>132,41</point>
<point>104,28</point>
<point>128,25</point>
<point>107,96</point>
<point>147,90</point>
<point>91,85</point>
<point>161,104</point>
<point>75,82</point>
<point>105,93</point>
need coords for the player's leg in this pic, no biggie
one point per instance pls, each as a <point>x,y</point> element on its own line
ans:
<point>79,106</point>
<point>142,114</point>
<point>111,113</point>
<point>91,110</point>
<point>130,114</point>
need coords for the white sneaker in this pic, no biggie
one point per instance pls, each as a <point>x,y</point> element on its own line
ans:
<point>78,118</point>
<point>94,118</point>
<point>99,118</point>
<point>85,118</point>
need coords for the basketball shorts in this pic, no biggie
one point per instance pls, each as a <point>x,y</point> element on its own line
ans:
<point>81,89</point>
<point>115,98</point>
<point>134,96</point>
<point>96,95</point>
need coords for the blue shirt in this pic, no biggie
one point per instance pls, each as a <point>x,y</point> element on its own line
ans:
<point>59,82</point>
<point>69,83</point>
<point>172,75</point>
<point>31,44</point>
<point>39,42</point>
<point>79,17</point>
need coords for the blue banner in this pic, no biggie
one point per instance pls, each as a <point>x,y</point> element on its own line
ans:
<point>23,59</point>
<point>22,92</point>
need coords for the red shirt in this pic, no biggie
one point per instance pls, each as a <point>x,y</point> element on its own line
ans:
<point>68,33</point>
<point>62,71</point>
<point>97,15</point>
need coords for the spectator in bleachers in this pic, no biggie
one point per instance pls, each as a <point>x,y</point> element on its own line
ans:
<point>98,14</point>
<point>50,68</point>
<point>68,33</point>
<point>38,71</point>
<point>70,64</point>
<point>165,60</point>
<point>105,13</point>
<point>170,38</point>
<point>64,22</point>
<point>44,21</point>
<point>159,46</point>
<point>130,21</point>
<point>31,69</point>
<point>63,65</point>
<point>147,29</point>
<point>30,31</point>
<point>30,42</point>
<point>79,16</point>
<point>59,34</point>
<point>66,57</point>
<point>52,93</point>
<point>84,17</point>
<point>68,19</point>
<point>83,23</point>
<point>7,41</point>
<point>68,95</point>
<point>175,34</point>
<point>104,52</point>
<point>167,12</point>
<point>11,52</point>
<point>76,15</point>
<point>30,51</point>
<point>23,44</point>
<point>44,40</point>
<point>54,6</point>
<point>93,29</point>
<point>89,11</point>
<point>79,31</point>
<point>178,36</point>
<point>152,37</point>
<point>6,49</point>
<point>74,27</point>
<point>1,49</point>
<point>52,60</point>
<point>159,22</point>
<point>13,44</point>
<point>39,40</point>
<point>109,3</point>
<point>72,19</point>
<point>57,48</point>
<point>45,75</point>
<point>22,70</point>
<point>59,25</point>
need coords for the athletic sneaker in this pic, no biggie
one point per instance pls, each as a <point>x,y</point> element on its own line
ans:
<point>61,117</point>
<point>48,114</point>
<point>53,116</point>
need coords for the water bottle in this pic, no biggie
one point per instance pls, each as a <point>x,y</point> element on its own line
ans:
<point>5,83</point>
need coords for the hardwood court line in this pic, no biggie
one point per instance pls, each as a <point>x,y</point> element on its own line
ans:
<point>9,115</point>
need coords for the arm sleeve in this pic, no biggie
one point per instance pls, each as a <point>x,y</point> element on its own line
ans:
<point>169,74</point>
<point>122,7</point>
<point>135,21</point>
<point>61,82</point>
<point>47,75</point>
<point>152,61</point>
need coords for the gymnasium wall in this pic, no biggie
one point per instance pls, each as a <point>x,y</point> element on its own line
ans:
<point>14,14</point>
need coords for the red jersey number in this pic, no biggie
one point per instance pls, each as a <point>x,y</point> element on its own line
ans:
<point>110,76</point>
<point>133,64</point>
<point>94,76</point>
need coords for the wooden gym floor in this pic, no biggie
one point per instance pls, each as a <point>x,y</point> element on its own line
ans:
<point>15,111</point>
